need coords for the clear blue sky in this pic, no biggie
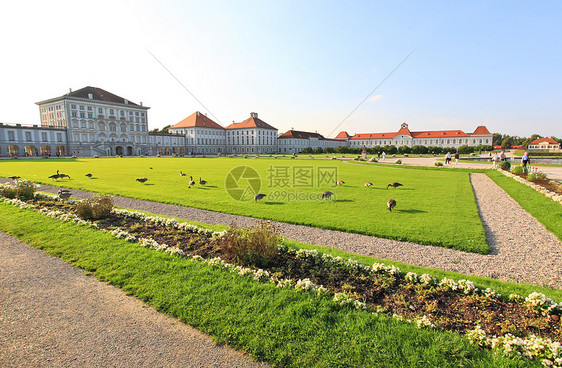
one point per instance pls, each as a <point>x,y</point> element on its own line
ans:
<point>301,64</point>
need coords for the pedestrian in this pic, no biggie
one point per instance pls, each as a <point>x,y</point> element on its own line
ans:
<point>502,156</point>
<point>525,161</point>
<point>495,159</point>
<point>379,155</point>
<point>456,158</point>
<point>383,155</point>
<point>448,158</point>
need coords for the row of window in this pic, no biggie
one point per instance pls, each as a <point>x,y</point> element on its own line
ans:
<point>415,142</point>
<point>112,126</point>
<point>29,136</point>
<point>111,111</point>
<point>217,132</point>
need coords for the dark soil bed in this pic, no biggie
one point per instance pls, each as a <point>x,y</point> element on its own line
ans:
<point>448,310</point>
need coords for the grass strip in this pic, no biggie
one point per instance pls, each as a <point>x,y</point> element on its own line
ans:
<point>545,210</point>
<point>283,327</point>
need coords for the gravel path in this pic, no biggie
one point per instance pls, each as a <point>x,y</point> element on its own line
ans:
<point>523,250</point>
<point>52,315</point>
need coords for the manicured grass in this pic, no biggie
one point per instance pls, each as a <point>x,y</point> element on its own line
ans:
<point>544,209</point>
<point>280,326</point>
<point>427,205</point>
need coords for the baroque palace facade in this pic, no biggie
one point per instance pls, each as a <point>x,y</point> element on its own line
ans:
<point>92,121</point>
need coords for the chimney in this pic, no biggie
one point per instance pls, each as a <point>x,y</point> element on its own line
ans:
<point>91,96</point>
<point>70,90</point>
<point>205,114</point>
<point>126,102</point>
<point>197,113</point>
<point>254,115</point>
<point>141,103</point>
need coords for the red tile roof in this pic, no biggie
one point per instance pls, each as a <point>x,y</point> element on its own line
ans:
<point>540,140</point>
<point>404,131</point>
<point>197,120</point>
<point>252,122</point>
<point>99,95</point>
<point>480,130</point>
<point>342,135</point>
<point>374,136</point>
<point>440,134</point>
<point>301,135</point>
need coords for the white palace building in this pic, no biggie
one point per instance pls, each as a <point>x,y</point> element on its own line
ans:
<point>92,121</point>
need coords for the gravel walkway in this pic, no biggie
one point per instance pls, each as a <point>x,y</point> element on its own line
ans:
<point>523,250</point>
<point>52,315</point>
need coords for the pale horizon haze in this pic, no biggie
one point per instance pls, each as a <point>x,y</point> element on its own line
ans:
<point>298,64</point>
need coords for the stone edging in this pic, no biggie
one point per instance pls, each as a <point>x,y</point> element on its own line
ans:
<point>554,196</point>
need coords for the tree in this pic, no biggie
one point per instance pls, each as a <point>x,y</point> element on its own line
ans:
<point>404,149</point>
<point>418,150</point>
<point>507,142</point>
<point>465,149</point>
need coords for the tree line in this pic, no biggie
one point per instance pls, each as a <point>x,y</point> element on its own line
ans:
<point>508,141</point>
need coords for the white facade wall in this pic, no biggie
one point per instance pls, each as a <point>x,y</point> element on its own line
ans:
<point>252,140</point>
<point>97,127</point>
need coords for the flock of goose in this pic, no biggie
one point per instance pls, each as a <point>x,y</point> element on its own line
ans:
<point>65,193</point>
<point>327,194</point>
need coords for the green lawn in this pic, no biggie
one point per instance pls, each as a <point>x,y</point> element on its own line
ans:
<point>281,326</point>
<point>544,209</point>
<point>428,204</point>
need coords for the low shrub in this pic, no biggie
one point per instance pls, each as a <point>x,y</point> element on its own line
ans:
<point>406,155</point>
<point>8,191</point>
<point>505,165</point>
<point>95,208</point>
<point>536,176</point>
<point>517,170</point>
<point>21,189</point>
<point>95,156</point>
<point>25,190</point>
<point>73,156</point>
<point>398,162</point>
<point>372,159</point>
<point>251,246</point>
<point>438,163</point>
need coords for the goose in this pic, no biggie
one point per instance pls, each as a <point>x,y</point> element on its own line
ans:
<point>64,194</point>
<point>394,185</point>
<point>202,182</point>
<point>89,175</point>
<point>258,197</point>
<point>55,176</point>
<point>64,176</point>
<point>182,173</point>
<point>142,180</point>
<point>14,177</point>
<point>327,195</point>
<point>391,204</point>
<point>368,184</point>
<point>191,181</point>
<point>340,182</point>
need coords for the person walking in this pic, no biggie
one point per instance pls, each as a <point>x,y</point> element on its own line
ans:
<point>448,158</point>
<point>525,161</point>
<point>495,160</point>
<point>456,158</point>
<point>502,156</point>
<point>383,155</point>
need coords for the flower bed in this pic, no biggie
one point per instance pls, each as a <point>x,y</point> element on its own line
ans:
<point>536,186</point>
<point>510,325</point>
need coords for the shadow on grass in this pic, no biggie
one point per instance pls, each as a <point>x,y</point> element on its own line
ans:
<point>343,200</point>
<point>411,211</point>
<point>275,203</point>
